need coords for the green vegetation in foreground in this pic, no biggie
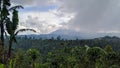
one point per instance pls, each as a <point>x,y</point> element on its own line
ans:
<point>66,57</point>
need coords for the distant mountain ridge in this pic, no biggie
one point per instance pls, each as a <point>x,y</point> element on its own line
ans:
<point>83,35</point>
<point>71,34</point>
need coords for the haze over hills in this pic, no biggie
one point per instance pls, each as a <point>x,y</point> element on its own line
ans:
<point>83,35</point>
<point>71,34</point>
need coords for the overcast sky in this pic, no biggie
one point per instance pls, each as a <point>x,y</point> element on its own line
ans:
<point>46,16</point>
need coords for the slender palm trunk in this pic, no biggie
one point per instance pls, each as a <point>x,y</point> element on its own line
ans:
<point>2,35</point>
<point>10,46</point>
<point>2,28</point>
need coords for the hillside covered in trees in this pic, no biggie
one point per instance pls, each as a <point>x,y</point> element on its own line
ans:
<point>45,45</point>
<point>59,53</point>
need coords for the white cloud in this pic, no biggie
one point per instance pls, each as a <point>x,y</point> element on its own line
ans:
<point>42,22</point>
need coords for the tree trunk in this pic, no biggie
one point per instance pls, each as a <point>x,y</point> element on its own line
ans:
<point>2,28</point>
<point>10,46</point>
<point>2,35</point>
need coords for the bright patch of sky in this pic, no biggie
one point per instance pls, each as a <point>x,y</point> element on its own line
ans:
<point>39,8</point>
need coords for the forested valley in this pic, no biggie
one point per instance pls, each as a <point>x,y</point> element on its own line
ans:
<point>101,52</point>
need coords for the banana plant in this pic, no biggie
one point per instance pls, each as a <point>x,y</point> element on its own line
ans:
<point>11,27</point>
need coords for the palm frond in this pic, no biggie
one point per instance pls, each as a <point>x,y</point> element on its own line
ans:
<point>4,11</point>
<point>15,20</point>
<point>22,30</point>
<point>6,2</point>
<point>16,7</point>
<point>8,26</point>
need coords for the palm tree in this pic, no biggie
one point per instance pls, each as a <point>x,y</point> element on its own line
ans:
<point>11,27</point>
<point>13,39</point>
<point>3,15</point>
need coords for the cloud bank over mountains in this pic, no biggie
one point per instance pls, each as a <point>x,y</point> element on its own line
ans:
<point>79,15</point>
<point>94,15</point>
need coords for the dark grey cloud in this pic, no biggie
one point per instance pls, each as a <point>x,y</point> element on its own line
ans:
<point>93,15</point>
<point>31,2</point>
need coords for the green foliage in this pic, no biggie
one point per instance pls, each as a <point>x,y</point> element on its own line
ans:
<point>19,58</point>
<point>114,66</point>
<point>15,20</point>
<point>4,11</point>
<point>8,25</point>
<point>66,57</point>
<point>53,53</point>
<point>2,66</point>
<point>108,49</point>
<point>12,63</point>
<point>33,54</point>
<point>46,65</point>
<point>94,54</point>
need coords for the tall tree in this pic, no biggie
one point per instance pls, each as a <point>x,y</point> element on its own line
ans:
<point>3,15</point>
<point>11,27</point>
<point>11,24</point>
